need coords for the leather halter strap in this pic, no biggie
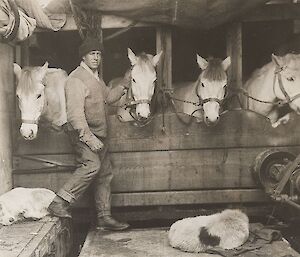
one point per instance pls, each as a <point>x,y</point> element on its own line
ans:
<point>209,99</point>
<point>288,99</point>
<point>30,121</point>
<point>131,102</point>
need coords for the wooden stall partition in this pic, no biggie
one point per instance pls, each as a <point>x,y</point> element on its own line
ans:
<point>6,112</point>
<point>164,70</point>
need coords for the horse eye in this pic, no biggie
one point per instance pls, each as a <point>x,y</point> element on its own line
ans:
<point>202,84</point>
<point>133,80</point>
<point>290,79</point>
<point>38,96</point>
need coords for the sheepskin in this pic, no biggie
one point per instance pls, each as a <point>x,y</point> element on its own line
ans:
<point>228,229</point>
<point>21,203</point>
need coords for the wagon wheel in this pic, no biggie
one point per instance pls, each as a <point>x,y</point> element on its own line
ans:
<point>269,167</point>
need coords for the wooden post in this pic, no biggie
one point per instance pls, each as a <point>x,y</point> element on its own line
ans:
<point>24,53</point>
<point>6,112</point>
<point>234,50</point>
<point>164,69</point>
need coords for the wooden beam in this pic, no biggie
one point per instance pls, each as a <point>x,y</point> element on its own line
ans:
<point>164,68</point>
<point>296,26</point>
<point>108,22</point>
<point>6,112</point>
<point>25,53</point>
<point>234,50</point>
<point>189,197</point>
<point>273,12</point>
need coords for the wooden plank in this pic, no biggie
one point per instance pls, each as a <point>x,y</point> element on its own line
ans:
<point>36,238</point>
<point>296,26</point>
<point>156,171</point>
<point>189,197</point>
<point>134,243</point>
<point>108,22</point>
<point>153,242</point>
<point>242,129</point>
<point>273,12</point>
<point>234,50</point>
<point>6,110</point>
<point>164,68</point>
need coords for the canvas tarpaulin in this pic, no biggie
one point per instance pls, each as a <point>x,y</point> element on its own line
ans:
<point>203,14</point>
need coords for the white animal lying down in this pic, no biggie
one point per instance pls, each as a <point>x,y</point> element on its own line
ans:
<point>228,229</point>
<point>20,203</point>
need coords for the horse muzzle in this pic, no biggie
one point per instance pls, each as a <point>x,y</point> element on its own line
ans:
<point>143,111</point>
<point>29,131</point>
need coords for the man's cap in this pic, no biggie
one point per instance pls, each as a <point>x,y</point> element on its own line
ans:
<point>88,45</point>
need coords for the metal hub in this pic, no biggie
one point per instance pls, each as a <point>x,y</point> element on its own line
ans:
<point>269,167</point>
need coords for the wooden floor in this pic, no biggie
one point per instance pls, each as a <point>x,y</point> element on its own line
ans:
<point>46,237</point>
<point>154,243</point>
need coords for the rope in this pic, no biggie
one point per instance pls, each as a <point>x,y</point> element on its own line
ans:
<point>121,31</point>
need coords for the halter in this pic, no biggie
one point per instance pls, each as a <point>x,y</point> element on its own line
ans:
<point>209,99</point>
<point>36,121</point>
<point>288,99</point>
<point>130,104</point>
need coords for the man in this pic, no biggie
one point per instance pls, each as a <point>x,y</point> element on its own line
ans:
<point>86,95</point>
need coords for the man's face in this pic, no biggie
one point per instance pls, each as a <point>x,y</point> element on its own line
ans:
<point>92,59</point>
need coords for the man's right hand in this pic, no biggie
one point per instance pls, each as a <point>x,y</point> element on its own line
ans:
<point>95,144</point>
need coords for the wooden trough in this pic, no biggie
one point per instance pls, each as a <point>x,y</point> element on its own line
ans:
<point>43,238</point>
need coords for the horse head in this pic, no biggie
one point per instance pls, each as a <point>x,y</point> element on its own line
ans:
<point>286,86</point>
<point>31,97</point>
<point>143,77</point>
<point>211,86</point>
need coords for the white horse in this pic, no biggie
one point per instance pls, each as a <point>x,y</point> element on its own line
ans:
<point>135,105</point>
<point>202,98</point>
<point>40,92</point>
<point>273,85</point>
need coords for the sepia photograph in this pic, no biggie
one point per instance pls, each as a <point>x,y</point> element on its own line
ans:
<point>149,128</point>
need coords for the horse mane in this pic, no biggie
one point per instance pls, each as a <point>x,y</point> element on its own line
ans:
<point>214,70</point>
<point>144,61</point>
<point>26,84</point>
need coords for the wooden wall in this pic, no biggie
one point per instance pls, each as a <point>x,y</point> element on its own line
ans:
<point>186,165</point>
<point>6,112</point>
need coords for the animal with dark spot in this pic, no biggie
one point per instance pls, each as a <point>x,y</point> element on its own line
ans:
<point>228,229</point>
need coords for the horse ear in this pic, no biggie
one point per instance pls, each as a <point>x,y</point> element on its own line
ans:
<point>132,57</point>
<point>17,71</point>
<point>46,65</point>
<point>202,62</point>
<point>156,58</point>
<point>226,63</point>
<point>277,60</point>
<point>43,70</point>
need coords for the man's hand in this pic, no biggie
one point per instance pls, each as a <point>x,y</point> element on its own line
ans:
<point>125,82</point>
<point>95,144</point>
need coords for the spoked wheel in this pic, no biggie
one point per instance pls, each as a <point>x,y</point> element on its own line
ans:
<point>269,167</point>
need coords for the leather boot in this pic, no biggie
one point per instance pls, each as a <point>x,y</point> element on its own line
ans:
<point>109,223</point>
<point>59,208</point>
